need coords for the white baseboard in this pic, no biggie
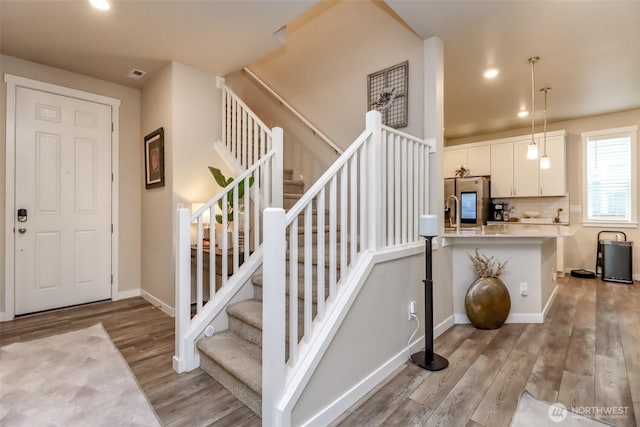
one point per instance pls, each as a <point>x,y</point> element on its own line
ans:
<point>158,303</point>
<point>129,294</point>
<point>3,317</point>
<point>548,304</point>
<point>462,319</point>
<point>442,327</point>
<point>348,399</point>
<point>636,277</point>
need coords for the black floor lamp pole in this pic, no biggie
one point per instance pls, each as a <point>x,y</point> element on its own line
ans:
<point>428,359</point>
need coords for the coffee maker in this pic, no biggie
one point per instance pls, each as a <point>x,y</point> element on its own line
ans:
<point>499,211</point>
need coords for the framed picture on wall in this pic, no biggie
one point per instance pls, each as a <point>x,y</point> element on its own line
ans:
<point>154,159</point>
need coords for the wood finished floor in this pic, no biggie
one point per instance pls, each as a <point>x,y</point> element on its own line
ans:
<point>587,353</point>
<point>145,337</point>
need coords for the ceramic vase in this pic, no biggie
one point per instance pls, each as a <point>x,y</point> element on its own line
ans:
<point>487,303</point>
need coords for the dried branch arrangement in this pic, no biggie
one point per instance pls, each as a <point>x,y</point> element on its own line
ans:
<point>485,266</point>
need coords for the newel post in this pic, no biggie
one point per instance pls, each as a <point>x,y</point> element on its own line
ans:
<point>374,172</point>
<point>184,352</point>
<point>277,167</point>
<point>273,315</point>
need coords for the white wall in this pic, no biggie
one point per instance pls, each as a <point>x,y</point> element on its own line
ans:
<point>186,102</point>
<point>375,331</point>
<point>322,71</point>
<point>580,249</point>
<point>130,158</point>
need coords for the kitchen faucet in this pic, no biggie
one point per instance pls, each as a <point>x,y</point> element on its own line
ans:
<point>457,212</point>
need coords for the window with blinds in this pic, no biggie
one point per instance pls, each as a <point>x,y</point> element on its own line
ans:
<point>610,171</point>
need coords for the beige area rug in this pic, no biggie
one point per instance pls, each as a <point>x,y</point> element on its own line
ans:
<point>535,413</point>
<point>74,379</point>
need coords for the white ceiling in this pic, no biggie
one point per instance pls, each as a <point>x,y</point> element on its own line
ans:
<point>590,50</point>
<point>215,36</point>
<point>589,55</point>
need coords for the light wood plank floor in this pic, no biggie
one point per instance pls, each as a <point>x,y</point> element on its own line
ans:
<point>587,353</point>
<point>145,337</point>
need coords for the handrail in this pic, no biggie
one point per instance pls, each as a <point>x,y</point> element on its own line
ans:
<point>295,112</point>
<point>408,136</point>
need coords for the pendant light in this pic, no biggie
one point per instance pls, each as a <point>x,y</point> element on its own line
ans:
<point>545,163</point>
<point>532,148</point>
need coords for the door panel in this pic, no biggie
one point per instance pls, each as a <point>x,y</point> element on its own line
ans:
<point>63,179</point>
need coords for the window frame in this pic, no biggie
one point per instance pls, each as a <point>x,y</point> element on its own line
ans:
<point>631,132</point>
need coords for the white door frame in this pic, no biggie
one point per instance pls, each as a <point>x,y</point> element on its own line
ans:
<point>13,82</point>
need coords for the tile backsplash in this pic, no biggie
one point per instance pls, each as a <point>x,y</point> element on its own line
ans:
<point>547,206</point>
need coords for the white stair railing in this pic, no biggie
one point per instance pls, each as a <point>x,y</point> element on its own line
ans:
<point>369,199</point>
<point>211,271</point>
<point>243,133</point>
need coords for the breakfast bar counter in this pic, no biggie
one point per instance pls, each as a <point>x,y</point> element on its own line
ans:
<point>530,274</point>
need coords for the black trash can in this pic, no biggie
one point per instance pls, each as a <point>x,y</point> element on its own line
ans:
<point>617,261</point>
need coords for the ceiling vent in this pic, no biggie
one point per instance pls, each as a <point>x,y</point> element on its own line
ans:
<point>136,74</point>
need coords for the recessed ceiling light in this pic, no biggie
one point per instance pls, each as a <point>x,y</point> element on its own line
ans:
<point>101,4</point>
<point>523,113</point>
<point>491,73</point>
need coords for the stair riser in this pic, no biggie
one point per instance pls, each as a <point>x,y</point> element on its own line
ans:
<point>287,174</point>
<point>252,334</point>
<point>293,187</point>
<point>245,330</point>
<point>236,387</point>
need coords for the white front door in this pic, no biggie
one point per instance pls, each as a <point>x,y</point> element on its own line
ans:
<point>63,181</point>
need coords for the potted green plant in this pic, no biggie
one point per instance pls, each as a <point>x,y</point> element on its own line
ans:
<point>223,182</point>
<point>487,301</point>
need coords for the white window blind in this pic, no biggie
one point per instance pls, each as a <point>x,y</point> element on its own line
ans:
<point>609,176</point>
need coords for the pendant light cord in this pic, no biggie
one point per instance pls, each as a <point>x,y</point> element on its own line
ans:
<point>533,98</point>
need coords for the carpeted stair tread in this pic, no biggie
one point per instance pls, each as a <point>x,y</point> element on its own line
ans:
<point>240,358</point>
<point>248,311</point>
<point>257,281</point>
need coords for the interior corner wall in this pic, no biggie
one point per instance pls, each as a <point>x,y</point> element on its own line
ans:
<point>186,102</point>
<point>130,158</point>
<point>157,203</point>
<point>434,128</point>
<point>196,126</point>
<point>322,70</point>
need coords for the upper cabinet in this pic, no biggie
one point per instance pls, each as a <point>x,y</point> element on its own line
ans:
<point>553,181</point>
<point>512,174</point>
<point>476,159</point>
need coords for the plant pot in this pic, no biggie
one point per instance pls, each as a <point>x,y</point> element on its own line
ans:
<point>487,303</point>
<point>220,237</point>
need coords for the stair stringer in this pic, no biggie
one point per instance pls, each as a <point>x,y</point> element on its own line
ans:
<point>210,311</point>
<point>312,354</point>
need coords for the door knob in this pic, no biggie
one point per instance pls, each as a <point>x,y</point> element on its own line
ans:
<point>22,230</point>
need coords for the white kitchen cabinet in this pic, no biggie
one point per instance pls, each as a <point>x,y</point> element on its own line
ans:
<point>476,159</point>
<point>525,171</point>
<point>502,170</point>
<point>453,159</point>
<point>553,181</point>
<point>479,160</point>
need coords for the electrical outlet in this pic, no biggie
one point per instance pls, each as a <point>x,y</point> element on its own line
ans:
<point>554,276</point>
<point>524,289</point>
<point>412,309</point>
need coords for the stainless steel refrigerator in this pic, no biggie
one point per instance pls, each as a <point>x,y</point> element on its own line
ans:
<point>473,195</point>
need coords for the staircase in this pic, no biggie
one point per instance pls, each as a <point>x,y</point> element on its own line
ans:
<point>234,357</point>
<point>306,266</point>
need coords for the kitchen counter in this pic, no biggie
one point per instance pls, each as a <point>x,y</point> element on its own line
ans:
<point>531,273</point>
<point>508,230</point>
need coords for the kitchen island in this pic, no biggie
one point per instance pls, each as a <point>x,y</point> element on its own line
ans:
<point>530,275</point>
